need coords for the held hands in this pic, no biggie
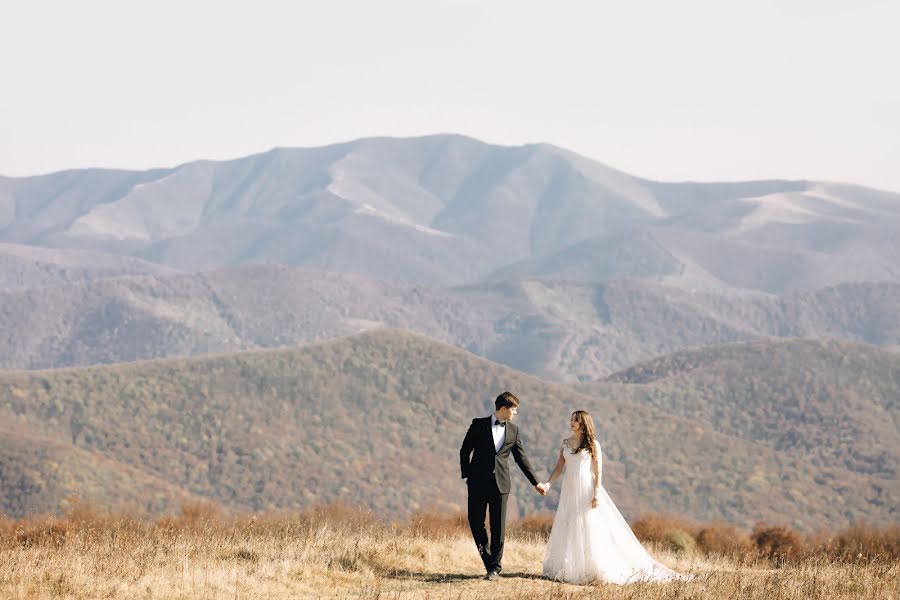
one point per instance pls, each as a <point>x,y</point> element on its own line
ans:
<point>542,488</point>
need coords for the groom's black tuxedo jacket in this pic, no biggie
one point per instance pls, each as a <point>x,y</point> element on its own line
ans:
<point>480,463</point>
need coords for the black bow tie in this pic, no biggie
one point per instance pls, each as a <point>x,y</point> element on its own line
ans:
<point>500,423</point>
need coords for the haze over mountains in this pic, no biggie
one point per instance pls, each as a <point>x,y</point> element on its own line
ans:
<point>671,309</point>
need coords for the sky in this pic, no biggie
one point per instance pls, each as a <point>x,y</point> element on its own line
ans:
<point>688,90</point>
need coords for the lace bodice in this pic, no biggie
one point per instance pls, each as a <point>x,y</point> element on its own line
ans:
<point>580,460</point>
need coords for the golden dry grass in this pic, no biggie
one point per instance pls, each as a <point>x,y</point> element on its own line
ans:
<point>341,553</point>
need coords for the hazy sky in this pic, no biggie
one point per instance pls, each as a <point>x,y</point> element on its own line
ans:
<point>672,90</point>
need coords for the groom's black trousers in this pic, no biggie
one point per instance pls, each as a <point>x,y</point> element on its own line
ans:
<point>484,495</point>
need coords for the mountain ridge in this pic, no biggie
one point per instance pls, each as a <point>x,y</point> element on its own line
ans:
<point>336,420</point>
<point>448,209</point>
<point>557,330</point>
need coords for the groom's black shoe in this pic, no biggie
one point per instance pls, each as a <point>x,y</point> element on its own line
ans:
<point>492,575</point>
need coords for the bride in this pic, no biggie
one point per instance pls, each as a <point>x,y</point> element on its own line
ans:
<point>590,540</point>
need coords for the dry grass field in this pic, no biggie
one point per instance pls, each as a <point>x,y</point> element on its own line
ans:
<point>341,553</point>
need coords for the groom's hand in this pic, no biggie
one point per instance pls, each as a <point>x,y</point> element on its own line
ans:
<point>542,488</point>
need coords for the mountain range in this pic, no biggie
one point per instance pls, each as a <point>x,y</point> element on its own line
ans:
<point>452,210</point>
<point>558,330</point>
<point>29,267</point>
<point>309,325</point>
<point>376,419</point>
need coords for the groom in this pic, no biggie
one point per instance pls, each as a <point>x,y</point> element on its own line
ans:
<point>485,467</point>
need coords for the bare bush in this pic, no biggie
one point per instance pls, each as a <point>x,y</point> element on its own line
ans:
<point>435,524</point>
<point>722,539</point>
<point>537,525</point>
<point>778,543</point>
<point>860,543</point>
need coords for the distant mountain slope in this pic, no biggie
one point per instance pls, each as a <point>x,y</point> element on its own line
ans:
<point>837,403</point>
<point>633,254</point>
<point>447,209</point>
<point>38,472</point>
<point>556,330</point>
<point>125,319</point>
<point>377,419</point>
<point>25,267</point>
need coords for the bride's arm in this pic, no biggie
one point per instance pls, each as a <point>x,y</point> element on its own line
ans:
<point>558,469</point>
<point>595,468</point>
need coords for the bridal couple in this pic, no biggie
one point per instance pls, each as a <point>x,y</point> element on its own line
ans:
<point>589,541</point>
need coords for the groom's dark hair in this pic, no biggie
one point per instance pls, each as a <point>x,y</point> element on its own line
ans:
<point>506,399</point>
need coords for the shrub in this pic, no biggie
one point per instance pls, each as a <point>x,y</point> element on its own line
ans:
<point>198,513</point>
<point>861,543</point>
<point>7,531</point>
<point>435,524</point>
<point>653,528</point>
<point>192,516</point>
<point>49,533</point>
<point>724,540</point>
<point>679,540</point>
<point>538,525</point>
<point>76,511</point>
<point>340,514</point>
<point>778,544</point>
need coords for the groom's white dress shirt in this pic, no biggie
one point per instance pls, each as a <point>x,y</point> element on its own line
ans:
<point>498,432</point>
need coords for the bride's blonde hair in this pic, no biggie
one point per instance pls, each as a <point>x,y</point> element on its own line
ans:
<point>588,433</point>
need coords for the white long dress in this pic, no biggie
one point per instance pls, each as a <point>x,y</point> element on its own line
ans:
<point>589,544</point>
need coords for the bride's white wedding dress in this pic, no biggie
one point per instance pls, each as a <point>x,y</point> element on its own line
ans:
<point>588,544</point>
